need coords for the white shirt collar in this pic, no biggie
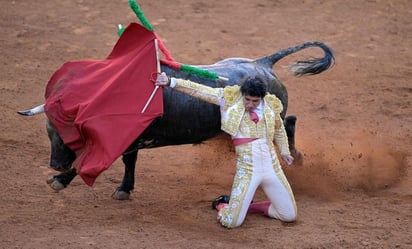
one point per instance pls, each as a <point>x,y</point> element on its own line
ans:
<point>259,109</point>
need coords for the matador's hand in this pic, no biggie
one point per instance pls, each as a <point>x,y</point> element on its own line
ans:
<point>288,159</point>
<point>162,80</point>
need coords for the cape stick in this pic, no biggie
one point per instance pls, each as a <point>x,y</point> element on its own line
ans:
<point>158,71</point>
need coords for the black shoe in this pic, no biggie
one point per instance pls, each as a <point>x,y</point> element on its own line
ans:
<point>220,199</point>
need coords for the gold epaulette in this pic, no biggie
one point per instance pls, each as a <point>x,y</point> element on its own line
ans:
<point>274,103</point>
<point>231,94</point>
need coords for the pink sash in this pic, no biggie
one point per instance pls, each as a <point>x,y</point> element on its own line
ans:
<point>240,141</point>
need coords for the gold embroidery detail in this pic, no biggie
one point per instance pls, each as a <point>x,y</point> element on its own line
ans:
<point>274,103</point>
<point>231,94</point>
<point>232,117</point>
<point>205,93</point>
<point>229,215</point>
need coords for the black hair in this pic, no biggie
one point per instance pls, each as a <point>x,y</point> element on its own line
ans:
<point>254,87</point>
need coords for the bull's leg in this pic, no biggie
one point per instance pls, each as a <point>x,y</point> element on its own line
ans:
<point>290,124</point>
<point>127,185</point>
<point>62,180</point>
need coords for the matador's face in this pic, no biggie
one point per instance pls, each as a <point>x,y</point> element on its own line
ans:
<point>251,102</point>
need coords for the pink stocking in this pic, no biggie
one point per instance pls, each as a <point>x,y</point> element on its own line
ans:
<point>221,205</point>
<point>259,208</point>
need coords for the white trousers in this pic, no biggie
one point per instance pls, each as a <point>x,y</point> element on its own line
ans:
<point>257,165</point>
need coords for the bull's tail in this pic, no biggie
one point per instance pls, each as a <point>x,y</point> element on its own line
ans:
<point>32,111</point>
<point>310,66</point>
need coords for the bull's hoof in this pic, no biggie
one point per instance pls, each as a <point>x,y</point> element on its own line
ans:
<point>121,195</point>
<point>55,184</point>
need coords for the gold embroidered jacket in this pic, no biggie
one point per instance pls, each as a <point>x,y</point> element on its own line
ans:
<point>232,109</point>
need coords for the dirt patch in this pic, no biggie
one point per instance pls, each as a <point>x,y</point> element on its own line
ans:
<point>353,188</point>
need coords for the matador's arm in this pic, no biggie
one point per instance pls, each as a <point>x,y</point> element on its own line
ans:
<point>202,92</point>
<point>280,136</point>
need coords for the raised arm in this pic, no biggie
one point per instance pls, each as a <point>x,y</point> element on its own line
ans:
<point>199,91</point>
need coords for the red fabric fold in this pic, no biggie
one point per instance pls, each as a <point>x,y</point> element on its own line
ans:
<point>95,105</point>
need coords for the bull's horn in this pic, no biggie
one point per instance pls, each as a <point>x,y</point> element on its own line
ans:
<point>32,111</point>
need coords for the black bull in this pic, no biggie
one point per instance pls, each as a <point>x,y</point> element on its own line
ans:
<point>187,120</point>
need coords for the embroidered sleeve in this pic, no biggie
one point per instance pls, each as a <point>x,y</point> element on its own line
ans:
<point>205,93</point>
<point>280,136</point>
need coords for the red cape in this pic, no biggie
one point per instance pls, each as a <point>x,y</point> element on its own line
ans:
<point>95,105</point>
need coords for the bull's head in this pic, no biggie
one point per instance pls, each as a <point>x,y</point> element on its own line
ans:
<point>61,157</point>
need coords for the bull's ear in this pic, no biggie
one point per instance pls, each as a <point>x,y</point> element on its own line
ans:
<point>32,111</point>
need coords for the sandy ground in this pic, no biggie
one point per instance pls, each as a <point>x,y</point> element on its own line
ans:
<point>354,189</point>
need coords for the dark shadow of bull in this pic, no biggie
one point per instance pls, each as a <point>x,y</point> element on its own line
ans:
<point>187,120</point>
